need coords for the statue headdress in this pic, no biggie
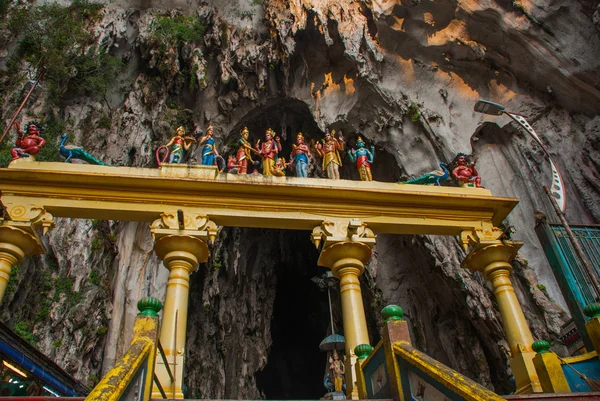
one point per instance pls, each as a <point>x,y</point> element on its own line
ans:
<point>37,125</point>
<point>360,139</point>
<point>300,135</point>
<point>270,132</point>
<point>210,128</point>
<point>244,130</point>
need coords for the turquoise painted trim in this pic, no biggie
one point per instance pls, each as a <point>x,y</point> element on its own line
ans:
<point>575,272</point>
<point>139,378</point>
<point>565,278</point>
<point>376,360</point>
<point>406,390</point>
<point>406,367</point>
<point>590,368</point>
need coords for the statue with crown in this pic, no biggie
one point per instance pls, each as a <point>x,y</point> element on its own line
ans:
<point>299,156</point>
<point>268,151</point>
<point>244,152</point>
<point>363,158</point>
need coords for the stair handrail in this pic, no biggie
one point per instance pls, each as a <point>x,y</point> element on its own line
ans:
<point>385,371</point>
<point>468,389</point>
<point>138,361</point>
<point>164,358</point>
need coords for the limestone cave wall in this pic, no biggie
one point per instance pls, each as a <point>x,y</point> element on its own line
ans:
<point>404,74</point>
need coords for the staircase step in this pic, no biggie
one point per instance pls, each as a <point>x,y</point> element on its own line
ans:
<point>42,398</point>
<point>556,396</point>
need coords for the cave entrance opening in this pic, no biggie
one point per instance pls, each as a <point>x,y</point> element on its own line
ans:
<point>295,366</point>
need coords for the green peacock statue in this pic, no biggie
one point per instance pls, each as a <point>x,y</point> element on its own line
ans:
<point>435,177</point>
<point>73,152</point>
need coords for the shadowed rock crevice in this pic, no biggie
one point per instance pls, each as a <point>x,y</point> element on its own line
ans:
<point>295,365</point>
<point>256,319</point>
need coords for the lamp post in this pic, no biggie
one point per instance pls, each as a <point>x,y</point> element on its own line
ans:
<point>556,192</point>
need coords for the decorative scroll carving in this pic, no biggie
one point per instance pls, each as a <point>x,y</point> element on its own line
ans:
<point>197,225</point>
<point>487,232</point>
<point>331,232</point>
<point>31,213</point>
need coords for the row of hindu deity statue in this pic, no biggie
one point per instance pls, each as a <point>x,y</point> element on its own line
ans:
<point>328,149</point>
<point>269,153</point>
<point>30,142</point>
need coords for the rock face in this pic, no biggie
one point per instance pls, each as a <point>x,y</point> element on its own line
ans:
<point>405,76</point>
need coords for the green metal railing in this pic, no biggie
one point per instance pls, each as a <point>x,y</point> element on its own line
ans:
<point>589,238</point>
<point>570,273</point>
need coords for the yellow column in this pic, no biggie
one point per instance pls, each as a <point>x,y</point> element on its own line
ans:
<point>346,249</point>
<point>181,250</point>
<point>493,259</point>
<point>17,240</point>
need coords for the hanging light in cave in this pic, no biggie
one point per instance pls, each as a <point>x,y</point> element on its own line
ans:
<point>334,376</point>
<point>333,341</point>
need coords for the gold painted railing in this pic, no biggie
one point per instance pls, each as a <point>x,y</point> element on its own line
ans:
<point>396,370</point>
<point>132,375</point>
<point>426,371</point>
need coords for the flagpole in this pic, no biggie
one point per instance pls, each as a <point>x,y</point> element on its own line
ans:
<point>16,114</point>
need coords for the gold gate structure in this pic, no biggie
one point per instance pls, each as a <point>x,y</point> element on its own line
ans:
<point>186,205</point>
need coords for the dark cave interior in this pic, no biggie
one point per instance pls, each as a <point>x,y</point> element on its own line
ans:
<point>296,366</point>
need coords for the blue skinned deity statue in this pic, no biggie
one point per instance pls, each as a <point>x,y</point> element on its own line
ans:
<point>209,151</point>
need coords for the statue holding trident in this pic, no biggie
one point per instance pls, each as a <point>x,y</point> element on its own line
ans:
<point>329,151</point>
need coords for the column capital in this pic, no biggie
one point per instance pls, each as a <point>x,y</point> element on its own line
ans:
<point>23,211</point>
<point>473,237</point>
<point>193,224</point>
<point>343,239</point>
<point>20,235</point>
<point>488,256</point>
<point>17,240</point>
<point>183,237</point>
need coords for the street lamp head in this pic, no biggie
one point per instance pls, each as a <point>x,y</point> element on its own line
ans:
<point>487,107</point>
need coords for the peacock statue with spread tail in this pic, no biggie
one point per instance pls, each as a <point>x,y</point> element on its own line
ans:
<point>435,177</point>
<point>73,152</point>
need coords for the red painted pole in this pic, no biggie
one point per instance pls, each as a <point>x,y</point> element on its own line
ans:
<point>14,117</point>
